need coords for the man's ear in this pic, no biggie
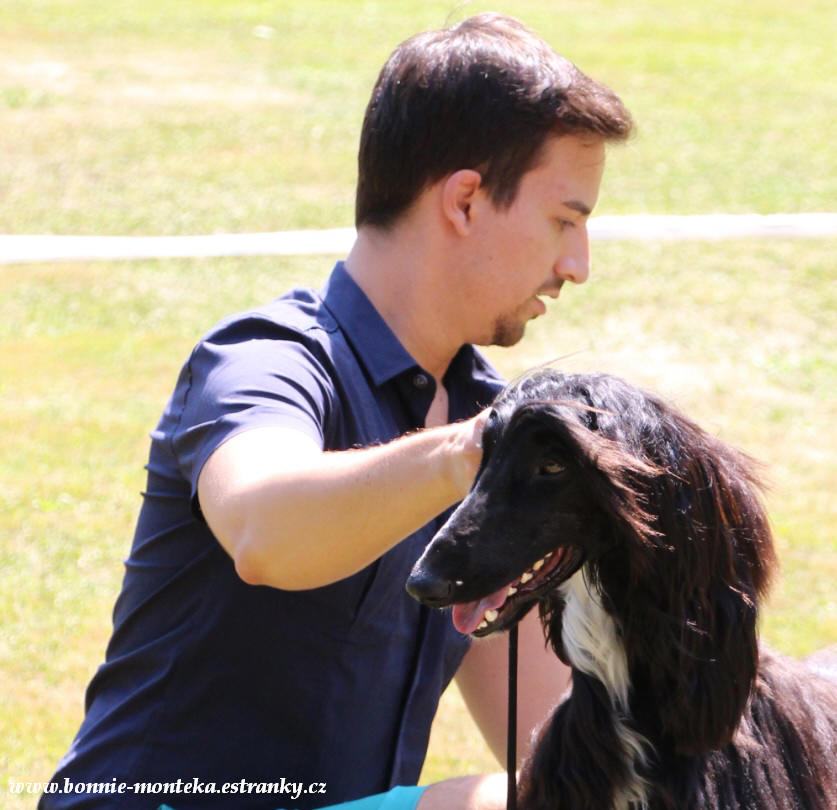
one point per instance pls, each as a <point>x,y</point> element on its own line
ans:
<point>459,192</point>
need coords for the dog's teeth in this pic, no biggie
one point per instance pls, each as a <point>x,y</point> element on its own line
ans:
<point>459,583</point>
<point>512,590</point>
<point>538,565</point>
<point>482,625</point>
<point>491,615</point>
<point>526,577</point>
<point>547,555</point>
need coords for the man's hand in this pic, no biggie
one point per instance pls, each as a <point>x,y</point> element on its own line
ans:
<point>471,450</point>
<point>466,793</point>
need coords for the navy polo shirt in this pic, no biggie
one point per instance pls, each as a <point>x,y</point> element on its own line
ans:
<point>207,678</point>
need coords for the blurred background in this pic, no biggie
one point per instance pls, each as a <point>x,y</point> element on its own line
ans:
<point>204,116</point>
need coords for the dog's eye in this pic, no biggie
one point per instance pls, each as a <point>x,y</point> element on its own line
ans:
<point>550,467</point>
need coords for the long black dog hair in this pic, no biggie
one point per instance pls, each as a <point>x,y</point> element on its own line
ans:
<point>648,553</point>
<point>689,557</point>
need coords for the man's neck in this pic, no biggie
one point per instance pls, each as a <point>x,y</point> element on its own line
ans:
<point>395,270</point>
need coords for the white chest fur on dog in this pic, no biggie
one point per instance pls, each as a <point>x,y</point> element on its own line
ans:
<point>593,645</point>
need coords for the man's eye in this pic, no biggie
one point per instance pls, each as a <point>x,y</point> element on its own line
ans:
<point>550,467</point>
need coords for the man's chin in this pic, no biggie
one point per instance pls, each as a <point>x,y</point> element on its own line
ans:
<point>507,333</point>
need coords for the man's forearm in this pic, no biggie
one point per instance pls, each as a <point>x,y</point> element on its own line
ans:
<point>487,792</point>
<point>294,517</point>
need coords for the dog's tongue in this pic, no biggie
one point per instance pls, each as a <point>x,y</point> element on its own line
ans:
<point>468,615</point>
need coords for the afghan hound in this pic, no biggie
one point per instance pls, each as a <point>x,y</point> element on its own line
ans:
<point>645,544</point>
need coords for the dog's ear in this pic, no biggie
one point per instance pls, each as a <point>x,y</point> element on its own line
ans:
<point>691,630</point>
<point>691,555</point>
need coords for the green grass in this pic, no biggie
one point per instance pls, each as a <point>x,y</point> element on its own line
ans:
<point>175,118</point>
<point>738,334</point>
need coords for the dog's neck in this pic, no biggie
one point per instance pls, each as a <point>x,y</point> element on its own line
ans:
<point>593,645</point>
<point>591,639</point>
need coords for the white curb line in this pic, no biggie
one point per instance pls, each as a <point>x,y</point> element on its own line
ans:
<point>337,241</point>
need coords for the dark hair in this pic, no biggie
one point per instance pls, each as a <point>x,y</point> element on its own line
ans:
<point>483,95</point>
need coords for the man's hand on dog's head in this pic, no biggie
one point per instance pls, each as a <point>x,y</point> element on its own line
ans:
<point>467,455</point>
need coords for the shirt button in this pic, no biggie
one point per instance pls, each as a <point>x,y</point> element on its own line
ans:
<point>421,381</point>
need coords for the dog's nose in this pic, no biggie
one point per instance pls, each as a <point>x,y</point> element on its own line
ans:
<point>429,590</point>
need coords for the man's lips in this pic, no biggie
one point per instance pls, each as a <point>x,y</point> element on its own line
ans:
<point>548,291</point>
<point>551,290</point>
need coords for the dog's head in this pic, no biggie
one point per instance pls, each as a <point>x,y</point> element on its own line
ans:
<point>586,471</point>
<point>549,490</point>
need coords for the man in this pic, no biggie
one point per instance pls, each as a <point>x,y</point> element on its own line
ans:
<point>263,632</point>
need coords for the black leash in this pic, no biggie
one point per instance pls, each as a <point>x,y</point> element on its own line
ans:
<point>511,741</point>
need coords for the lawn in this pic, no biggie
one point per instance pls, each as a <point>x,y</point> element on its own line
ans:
<point>201,116</point>
<point>195,117</point>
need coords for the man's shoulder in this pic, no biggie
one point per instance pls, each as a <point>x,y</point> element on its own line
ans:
<point>299,313</point>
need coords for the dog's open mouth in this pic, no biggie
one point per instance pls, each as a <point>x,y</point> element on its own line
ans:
<point>497,610</point>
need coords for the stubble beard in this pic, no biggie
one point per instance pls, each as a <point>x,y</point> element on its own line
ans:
<point>508,331</point>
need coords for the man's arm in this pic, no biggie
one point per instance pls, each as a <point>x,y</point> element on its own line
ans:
<point>486,792</point>
<point>295,517</point>
<point>483,680</point>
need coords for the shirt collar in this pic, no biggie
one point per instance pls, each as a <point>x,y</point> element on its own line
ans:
<point>378,348</point>
<point>380,351</point>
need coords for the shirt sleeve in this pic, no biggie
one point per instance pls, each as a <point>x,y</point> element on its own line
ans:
<point>249,374</point>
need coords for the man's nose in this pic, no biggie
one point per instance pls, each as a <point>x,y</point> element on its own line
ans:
<point>574,264</point>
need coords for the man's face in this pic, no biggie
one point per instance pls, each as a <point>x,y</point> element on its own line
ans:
<point>526,252</point>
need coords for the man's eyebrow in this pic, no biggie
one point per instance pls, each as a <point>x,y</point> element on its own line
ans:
<point>579,206</point>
